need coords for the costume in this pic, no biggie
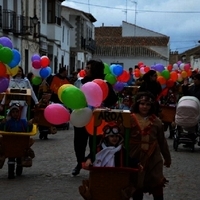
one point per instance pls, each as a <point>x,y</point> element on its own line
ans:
<point>147,143</point>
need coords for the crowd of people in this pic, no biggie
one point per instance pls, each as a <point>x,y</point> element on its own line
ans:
<point>148,149</point>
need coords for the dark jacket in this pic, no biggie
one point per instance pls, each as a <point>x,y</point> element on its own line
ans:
<point>193,90</point>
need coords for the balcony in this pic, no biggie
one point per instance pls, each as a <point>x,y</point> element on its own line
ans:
<point>17,24</point>
<point>90,44</point>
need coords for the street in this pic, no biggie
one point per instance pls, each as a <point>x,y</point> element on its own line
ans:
<point>50,175</point>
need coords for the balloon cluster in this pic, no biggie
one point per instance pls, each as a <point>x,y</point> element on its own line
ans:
<point>167,76</point>
<point>116,76</point>
<point>90,95</point>
<point>40,68</point>
<point>9,60</point>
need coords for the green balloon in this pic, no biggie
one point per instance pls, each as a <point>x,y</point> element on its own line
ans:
<point>74,98</point>
<point>110,78</point>
<point>165,74</point>
<point>106,69</point>
<point>36,80</point>
<point>6,55</point>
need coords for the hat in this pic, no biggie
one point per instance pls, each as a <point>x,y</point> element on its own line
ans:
<point>13,106</point>
<point>145,98</point>
<point>111,129</point>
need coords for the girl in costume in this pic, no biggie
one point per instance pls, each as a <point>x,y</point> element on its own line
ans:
<point>148,144</point>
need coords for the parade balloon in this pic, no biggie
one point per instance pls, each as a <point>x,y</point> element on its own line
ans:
<point>36,64</point>
<point>36,80</point>
<point>73,98</point>
<point>35,57</point>
<point>12,71</point>
<point>6,55</point>
<point>106,69</point>
<point>56,114</point>
<point>4,83</point>
<point>16,59</point>
<point>61,88</point>
<point>6,42</point>
<point>81,117</point>
<point>44,61</point>
<point>3,70</point>
<point>93,93</point>
<point>104,87</point>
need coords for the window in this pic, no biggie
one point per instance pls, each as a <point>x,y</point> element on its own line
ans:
<point>54,12</point>
<point>43,11</point>
<point>63,34</point>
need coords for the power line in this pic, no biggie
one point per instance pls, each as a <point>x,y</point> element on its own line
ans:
<point>141,11</point>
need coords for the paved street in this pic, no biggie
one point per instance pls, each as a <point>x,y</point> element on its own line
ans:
<point>49,177</point>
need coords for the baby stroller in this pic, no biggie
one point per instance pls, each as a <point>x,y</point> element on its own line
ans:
<point>187,122</point>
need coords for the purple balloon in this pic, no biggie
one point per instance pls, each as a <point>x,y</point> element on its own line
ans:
<point>4,83</point>
<point>35,57</point>
<point>118,86</point>
<point>6,42</point>
<point>159,67</point>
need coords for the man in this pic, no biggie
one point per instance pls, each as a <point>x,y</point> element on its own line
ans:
<point>56,81</point>
<point>131,79</point>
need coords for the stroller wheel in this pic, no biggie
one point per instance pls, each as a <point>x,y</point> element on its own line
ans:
<point>175,144</point>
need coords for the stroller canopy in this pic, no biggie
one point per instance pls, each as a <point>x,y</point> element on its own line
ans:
<point>187,111</point>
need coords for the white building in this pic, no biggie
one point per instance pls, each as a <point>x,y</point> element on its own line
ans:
<point>82,43</point>
<point>36,27</point>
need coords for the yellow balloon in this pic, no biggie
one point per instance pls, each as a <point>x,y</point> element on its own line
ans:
<point>13,71</point>
<point>61,88</point>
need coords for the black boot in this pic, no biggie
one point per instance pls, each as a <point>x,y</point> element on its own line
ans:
<point>19,167</point>
<point>11,169</point>
<point>158,198</point>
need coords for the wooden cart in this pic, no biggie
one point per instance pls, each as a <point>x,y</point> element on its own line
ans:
<point>16,144</point>
<point>109,183</point>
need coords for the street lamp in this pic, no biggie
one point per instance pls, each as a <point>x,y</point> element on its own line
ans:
<point>36,22</point>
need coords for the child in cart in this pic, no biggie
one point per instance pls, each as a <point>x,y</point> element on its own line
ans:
<point>13,123</point>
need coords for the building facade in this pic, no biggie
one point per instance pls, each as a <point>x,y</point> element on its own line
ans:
<point>130,44</point>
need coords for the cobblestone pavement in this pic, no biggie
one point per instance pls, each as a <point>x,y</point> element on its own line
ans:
<point>50,176</point>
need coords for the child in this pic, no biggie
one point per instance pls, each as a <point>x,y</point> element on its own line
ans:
<point>43,103</point>
<point>14,123</point>
<point>125,103</point>
<point>110,150</point>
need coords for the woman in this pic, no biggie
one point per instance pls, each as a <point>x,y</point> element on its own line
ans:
<point>94,70</point>
<point>151,84</point>
<point>19,81</point>
<point>149,146</point>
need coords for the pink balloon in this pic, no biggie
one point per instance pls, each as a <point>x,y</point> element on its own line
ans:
<point>93,93</point>
<point>56,114</point>
<point>36,64</point>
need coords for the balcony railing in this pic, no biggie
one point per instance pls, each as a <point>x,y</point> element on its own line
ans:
<point>91,44</point>
<point>17,24</point>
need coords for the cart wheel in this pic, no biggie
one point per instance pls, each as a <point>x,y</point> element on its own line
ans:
<point>175,144</point>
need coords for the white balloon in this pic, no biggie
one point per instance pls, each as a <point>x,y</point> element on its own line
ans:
<point>36,72</point>
<point>81,117</point>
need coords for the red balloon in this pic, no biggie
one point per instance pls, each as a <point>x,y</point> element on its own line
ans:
<point>2,70</point>
<point>140,63</point>
<point>44,61</point>
<point>146,69</point>
<point>170,67</point>
<point>169,83</point>
<point>124,77</point>
<point>82,73</point>
<point>104,87</point>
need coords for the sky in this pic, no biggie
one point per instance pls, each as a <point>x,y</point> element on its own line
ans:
<point>177,19</point>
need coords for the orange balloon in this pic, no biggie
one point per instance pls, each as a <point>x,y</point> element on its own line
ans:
<point>184,74</point>
<point>104,87</point>
<point>161,80</point>
<point>90,127</point>
<point>189,73</point>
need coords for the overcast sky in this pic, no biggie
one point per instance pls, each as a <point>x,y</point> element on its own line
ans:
<point>178,19</point>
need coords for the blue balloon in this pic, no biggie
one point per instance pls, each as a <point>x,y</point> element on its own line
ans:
<point>45,72</point>
<point>16,59</point>
<point>117,70</point>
